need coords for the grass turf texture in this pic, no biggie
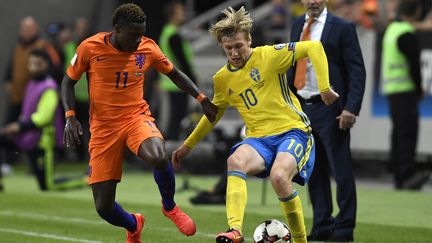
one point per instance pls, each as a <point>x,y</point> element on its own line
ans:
<point>28,215</point>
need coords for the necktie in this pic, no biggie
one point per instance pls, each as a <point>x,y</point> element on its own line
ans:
<point>300,74</point>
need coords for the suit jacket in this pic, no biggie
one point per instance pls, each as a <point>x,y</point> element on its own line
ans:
<point>346,67</point>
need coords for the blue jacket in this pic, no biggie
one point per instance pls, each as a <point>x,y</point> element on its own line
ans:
<point>346,68</point>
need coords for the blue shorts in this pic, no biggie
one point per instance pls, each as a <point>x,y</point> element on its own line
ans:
<point>297,142</point>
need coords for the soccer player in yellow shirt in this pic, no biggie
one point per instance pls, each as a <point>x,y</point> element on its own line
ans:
<point>279,141</point>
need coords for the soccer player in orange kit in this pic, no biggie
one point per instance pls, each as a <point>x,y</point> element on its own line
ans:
<point>115,63</point>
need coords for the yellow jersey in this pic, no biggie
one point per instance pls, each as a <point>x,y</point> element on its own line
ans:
<point>260,93</point>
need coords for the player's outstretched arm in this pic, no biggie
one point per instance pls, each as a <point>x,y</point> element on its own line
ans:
<point>73,129</point>
<point>201,130</point>
<point>185,83</point>
<point>315,52</point>
<point>203,127</point>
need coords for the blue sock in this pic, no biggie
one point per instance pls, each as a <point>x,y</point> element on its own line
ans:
<point>166,183</point>
<point>118,217</point>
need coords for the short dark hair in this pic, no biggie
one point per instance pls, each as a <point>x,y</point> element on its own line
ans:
<point>130,13</point>
<point>409,7</point>
<point>42,54</point>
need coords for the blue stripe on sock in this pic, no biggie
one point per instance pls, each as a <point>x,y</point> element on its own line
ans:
<point>293,195</point>
<point>237,173</point>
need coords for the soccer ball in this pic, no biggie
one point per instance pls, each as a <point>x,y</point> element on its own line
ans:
<point>270,231</point>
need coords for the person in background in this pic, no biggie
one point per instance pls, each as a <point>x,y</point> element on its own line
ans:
<point>369,17</point>
<point>58,34</point>
<point>276,31</point>
<point>179,51</point>
<point>39,126</point>
<point>17,73</point>
<point>425,24</point>
<point>81,31</point>
<point>330,124</point>
<point>402,86</point>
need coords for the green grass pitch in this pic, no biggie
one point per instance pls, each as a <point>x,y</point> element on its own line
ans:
<point>28,215</point>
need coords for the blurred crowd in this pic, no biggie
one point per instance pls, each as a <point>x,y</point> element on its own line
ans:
<point>33,122</point>
<point>60,41</point>
<point>370,14</point>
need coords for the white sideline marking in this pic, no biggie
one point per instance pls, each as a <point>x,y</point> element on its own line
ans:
<point>43,235</point>
<point>50,218</point>
<point>87,221</point>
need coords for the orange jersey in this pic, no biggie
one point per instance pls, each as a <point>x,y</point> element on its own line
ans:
<point>116,78</point>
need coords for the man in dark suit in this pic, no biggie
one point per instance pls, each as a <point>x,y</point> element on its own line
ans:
<point>331,124</point>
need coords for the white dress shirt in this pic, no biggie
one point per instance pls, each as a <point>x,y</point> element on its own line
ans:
<point>311,86</point>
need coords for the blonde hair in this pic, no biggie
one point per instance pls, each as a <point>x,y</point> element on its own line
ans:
<point>233,23</point>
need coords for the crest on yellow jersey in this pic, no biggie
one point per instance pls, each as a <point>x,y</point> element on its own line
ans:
<point>255,75</point>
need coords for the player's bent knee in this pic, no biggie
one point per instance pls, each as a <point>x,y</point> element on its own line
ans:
<point>234,162</point>
<point>279,178</point>
<point>156,157</point>
<point>152,150</point>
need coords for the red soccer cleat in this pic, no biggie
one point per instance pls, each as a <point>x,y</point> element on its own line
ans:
<point>135,237</point>
<point>183,222</point>
<point>231,236</point>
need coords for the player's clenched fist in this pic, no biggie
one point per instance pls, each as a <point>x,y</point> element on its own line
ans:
<point>72,132</point>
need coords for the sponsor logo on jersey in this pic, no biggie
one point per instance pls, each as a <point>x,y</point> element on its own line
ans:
<point>230,92</point>
<point>279,46</point>
<point>73,60</point>
<point>150,124</point>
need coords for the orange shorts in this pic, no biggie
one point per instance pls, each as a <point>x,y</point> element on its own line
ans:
<point>107,144</point>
